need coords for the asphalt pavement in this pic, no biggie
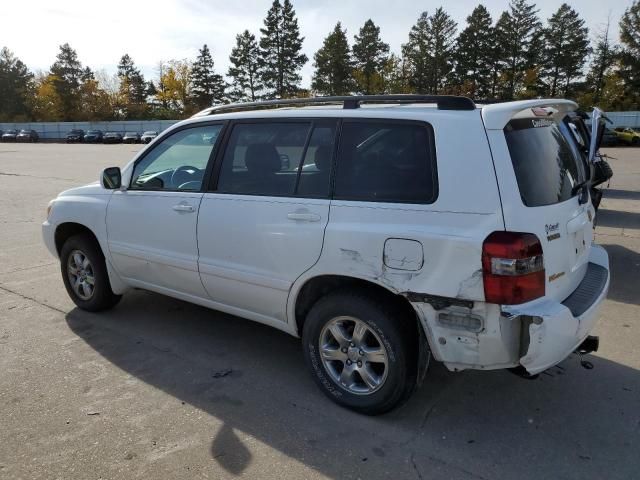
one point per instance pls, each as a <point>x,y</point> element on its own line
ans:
<point>160,389</point>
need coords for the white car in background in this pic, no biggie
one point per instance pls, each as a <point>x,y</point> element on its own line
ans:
<point>148,136</point>
<point>368,226</point>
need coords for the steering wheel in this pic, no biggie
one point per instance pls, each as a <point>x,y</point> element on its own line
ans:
<point>183,174</point>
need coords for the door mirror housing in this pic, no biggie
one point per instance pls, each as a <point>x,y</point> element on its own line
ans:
<point>111,178</point>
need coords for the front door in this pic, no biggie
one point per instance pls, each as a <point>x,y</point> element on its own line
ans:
<point>262,225</point>
<point>151,226</point>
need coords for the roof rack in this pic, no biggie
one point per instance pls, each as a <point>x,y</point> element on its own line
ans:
<point>444,102</point>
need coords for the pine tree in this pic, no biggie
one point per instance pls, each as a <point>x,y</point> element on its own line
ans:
<point>516,32</point>
<point>133,88</point>
<point>474,54</point>
<point>244,72</point>
<point>630,54</point>
<point>333,64</point>
<point>429,51</point>
<point>370,54</point>
<point>207,87</point>
<point>280,51</point>
<point>16,86</point>
<point>416,52</point>
<point>66,80</point>
<point>566,50</point>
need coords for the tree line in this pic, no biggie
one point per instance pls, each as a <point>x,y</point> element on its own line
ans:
<point>517,56</point>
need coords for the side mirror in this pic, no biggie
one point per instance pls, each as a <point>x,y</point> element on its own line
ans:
<point>111,178</point>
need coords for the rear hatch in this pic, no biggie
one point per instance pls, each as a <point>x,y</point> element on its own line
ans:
<point>548,197</point>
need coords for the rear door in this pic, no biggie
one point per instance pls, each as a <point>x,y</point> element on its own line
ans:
<point>262,224</point>
<point>541,171</point>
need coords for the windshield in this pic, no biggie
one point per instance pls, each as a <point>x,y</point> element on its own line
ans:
<point>150,133</point>
<point>133,134</point>
<point>547,165</point>
<point>93,132</point>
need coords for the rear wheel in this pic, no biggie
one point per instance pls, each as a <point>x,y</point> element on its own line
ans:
<point>84,274</point>
<point>360,351</point>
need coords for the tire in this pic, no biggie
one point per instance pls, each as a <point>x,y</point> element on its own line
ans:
<point>635,141</point>
<point>387,327</point>
<point>79,247</point>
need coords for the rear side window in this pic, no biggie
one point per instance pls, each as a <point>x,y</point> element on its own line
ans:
<point>546,165</point>
<point>279,159</point>
<point>386,162</point>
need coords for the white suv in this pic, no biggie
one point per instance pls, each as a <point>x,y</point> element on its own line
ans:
<point>382,230</point>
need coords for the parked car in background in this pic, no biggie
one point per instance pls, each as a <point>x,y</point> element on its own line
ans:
<point>74,136</point>
<point>27,136</point>
<point>9,136</point>
<point>148,136</point>
<point>93,136</point>
<point>627,136</point>
<point>112,137</point>
<point>610,138</point>
<point>377,241</point>
<point>131,137</point>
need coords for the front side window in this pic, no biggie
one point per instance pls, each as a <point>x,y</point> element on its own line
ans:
<point>386,162</point>
<point>546,164</point>
<point>178,162</point>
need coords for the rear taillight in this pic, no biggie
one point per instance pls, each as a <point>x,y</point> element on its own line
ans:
<point>512,267</point>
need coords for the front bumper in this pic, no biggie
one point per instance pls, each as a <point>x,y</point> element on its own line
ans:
<point>555,329</point>
<point>48,236</point>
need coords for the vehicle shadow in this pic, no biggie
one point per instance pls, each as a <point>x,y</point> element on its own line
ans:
<point>569,423</point>
<point>625,274</point>
<point>617,219</point>
<point>621,194</point>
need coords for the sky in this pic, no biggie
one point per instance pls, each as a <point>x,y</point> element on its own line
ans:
<point>150,31</point>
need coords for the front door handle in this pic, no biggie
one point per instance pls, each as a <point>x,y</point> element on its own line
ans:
<point>303,217</point>
<point>183,207</point>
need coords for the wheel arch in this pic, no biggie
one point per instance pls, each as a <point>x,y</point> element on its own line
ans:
<point>66,230</point>
<point>318,286</point>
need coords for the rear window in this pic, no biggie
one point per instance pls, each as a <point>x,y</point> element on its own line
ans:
<point>546,164</point>
<point>386,162</point>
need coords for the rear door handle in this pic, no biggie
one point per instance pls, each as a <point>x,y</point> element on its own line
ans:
<point>183,207</point>
<point>303,217</point>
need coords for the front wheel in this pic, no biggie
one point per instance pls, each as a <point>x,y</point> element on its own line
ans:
<point>360,351</point>
<point>84,274</point>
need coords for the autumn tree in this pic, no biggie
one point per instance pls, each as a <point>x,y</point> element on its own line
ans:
<point>281,56</point>
<point>333,65</point>
<point>207,86</point>
<point>175,82</point>
<point>370,54</point>
<point>16,87</point>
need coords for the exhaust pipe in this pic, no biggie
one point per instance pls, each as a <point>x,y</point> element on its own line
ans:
<point>589,345</point>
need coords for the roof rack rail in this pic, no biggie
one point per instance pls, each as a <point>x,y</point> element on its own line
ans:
<point>444,102</point>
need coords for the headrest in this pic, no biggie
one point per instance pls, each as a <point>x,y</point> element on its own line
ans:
<point>322,158</point>
<point>262,158</point>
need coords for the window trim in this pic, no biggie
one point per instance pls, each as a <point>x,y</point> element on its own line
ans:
<point>431,145</point>
<point>169,133</point>
<point>312,121</point>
